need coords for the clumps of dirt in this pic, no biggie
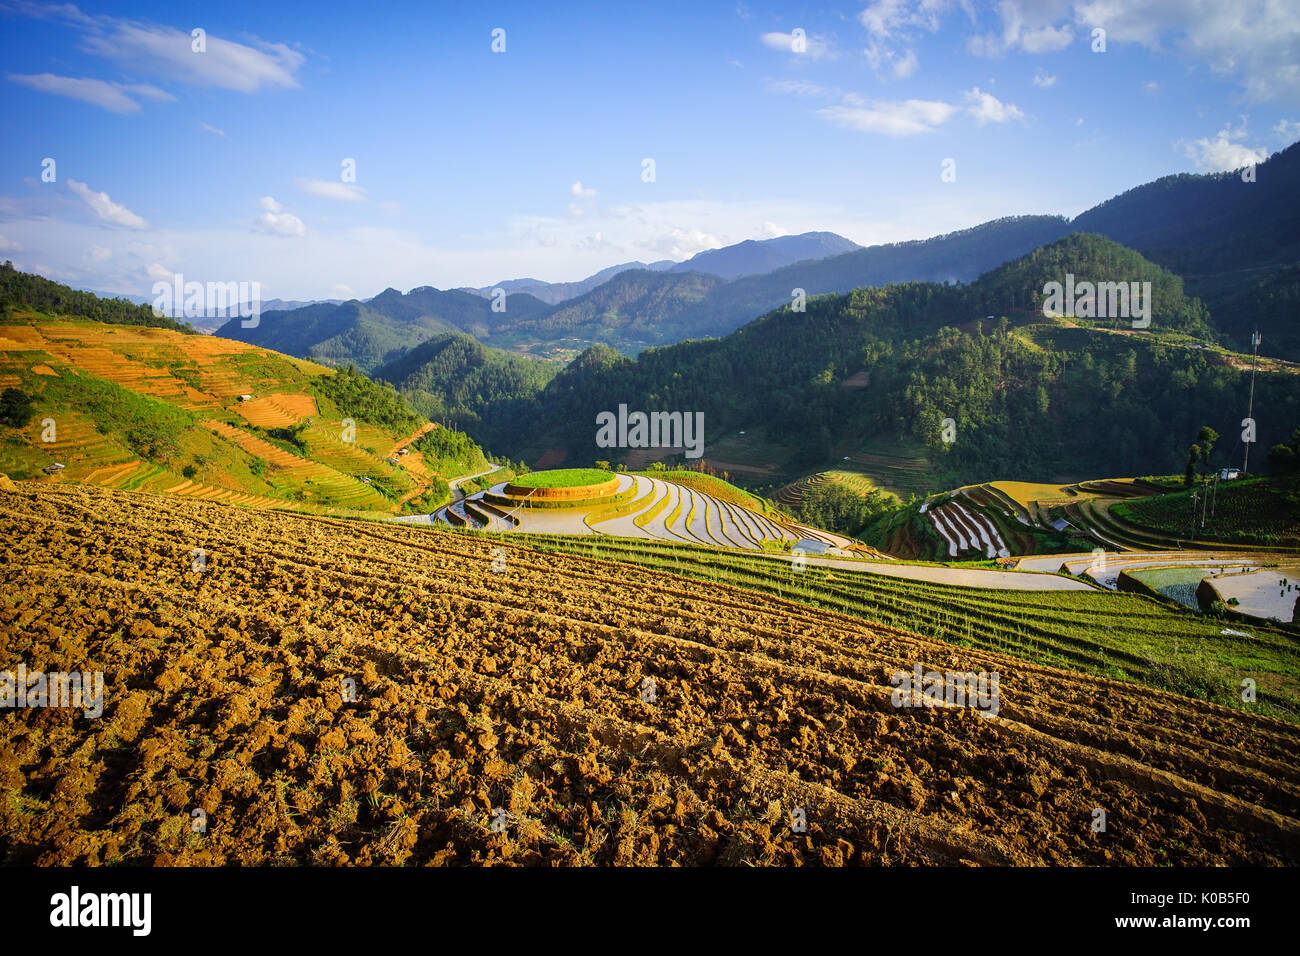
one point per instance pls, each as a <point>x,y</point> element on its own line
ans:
<point>331,693</point>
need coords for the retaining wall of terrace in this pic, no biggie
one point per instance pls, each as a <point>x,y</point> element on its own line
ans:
<point>604,489</point>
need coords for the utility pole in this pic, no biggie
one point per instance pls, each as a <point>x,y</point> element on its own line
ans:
<point>1255,339</point>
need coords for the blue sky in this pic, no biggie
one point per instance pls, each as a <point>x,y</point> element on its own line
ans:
<point>474,166</point>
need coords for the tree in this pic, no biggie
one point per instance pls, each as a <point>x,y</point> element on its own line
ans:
<point>1207,436</point>
<point>1281,459</point>
<point>15,407</point>
<point>1199,451</point>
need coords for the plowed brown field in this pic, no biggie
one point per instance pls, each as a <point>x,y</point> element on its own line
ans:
<point>521,690</point>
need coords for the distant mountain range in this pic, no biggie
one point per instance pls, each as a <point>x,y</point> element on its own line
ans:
<point>1236,242</point>
<point>729,262</point>
<point>635,308</point>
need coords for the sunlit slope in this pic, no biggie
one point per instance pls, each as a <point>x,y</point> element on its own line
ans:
<point>153,409</point>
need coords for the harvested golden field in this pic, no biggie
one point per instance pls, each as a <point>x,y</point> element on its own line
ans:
<point>277,411</point>
<point>595,713</point>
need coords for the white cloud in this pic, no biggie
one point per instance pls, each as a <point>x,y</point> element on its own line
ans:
<point>1046,39</point>
<point>158,50</point>
<point>332,189</point>
<point>1221,154</point>
<point>684,243</point>
<point>8,245</point>
<point>898,118</point>
<point>770,230</point>
<point>226,65</point>
<point>816,46</point>
<point>987,108</point>
<point>594,243</point>
<point>1151,87</point>
<point>159,272</point>
<point>581,191</point>
<point>910,117</point>
<point>97,254</point>
<point>276,221</point>
<point>1288,130</point>
<point>212,129</point>
<point>891,24</point>
<point>887,18</point>
<point>105,208</point>
<point>114,97</point>
<point>1043,80</point>
<point>1253,41</point>
<point>905,65</point>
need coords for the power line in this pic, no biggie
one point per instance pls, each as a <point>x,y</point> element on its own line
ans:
<point>1254,352</point>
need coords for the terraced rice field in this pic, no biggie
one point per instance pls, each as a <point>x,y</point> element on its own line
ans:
<point>899,474</point>
<point>595,712</point>
<point>792,495</point>
<point>1264,584</point>
<point>1252,509</point>
<point>645,507</point>
<point>965,530</point>
<point>1102,565</point>
<point>277,411</point>
<point>1270,593</point>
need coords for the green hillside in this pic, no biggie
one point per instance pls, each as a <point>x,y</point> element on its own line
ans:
<point>153,409</point>
<point>458,381</point>
<point>1031,398</point>
<point>1233,241</point>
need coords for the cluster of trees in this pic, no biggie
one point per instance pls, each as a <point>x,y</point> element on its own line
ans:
<point>1284,457</point>
<point>35,292</point>
<point>1018,285</point>
<point>449,451</point>
<point>838,508</point>
<point>356,396</point>
<point>16,408</point>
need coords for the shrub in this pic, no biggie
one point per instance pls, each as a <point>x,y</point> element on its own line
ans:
<point>15,407</point>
